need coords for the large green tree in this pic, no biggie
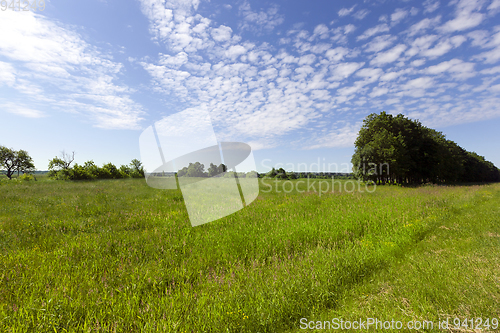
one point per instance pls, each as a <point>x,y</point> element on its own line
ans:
<point>396,149</point>
<point>12,161</point>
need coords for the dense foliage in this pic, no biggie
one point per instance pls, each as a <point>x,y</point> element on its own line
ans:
<point>15,160</point>
<point>89,171</point>
<point>396,149</point>
<point>280,173</point>
<point>198,170</point>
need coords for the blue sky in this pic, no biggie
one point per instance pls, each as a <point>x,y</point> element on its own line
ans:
<point>294,79</point>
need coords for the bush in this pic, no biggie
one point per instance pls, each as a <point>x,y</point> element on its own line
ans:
<point>26,176</point>
<point>79,172</point>
<point>90,171</point>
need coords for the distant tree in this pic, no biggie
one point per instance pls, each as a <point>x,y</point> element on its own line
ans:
<point>137,169</point>
<point>111,170</point>
<point>281,174</point>
<point>8,160</point>
<point>79,172</point>
<point>272,173</point>
<point>213,170</point>
<point>24,162</point>
<point>92,170</point>
<point>221,168</point>
<point>252,174</point>
<point>182,172</point>
<point>196,170</point>
<point>59,167</point>
<point>12,161</point>
<point>125,170</point>
<point>63,162</point>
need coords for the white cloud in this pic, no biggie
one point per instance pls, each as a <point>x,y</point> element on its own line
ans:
<point>345,69</point>
<point>466,16</point>
<point>21,110</point>
<point>390,76</point>
<point>337,54</point>
<point>349,28</point>
<point>337,137</point>
<point>456,67</point>
<point>376,92</point>
<point>418,62</point>
<point>491,71</point>
<point>388,56</point>
<point>463,22</point>
<point>262,91</point>
<point>379,43</point>
<point>373,31</point>
<point>444,46</point>
<point>176,61</point>
<point>308,59</point>
<point>489,57</point>
<point>321,30</point>
<point>7,74</point>
<point>222,33</point>
<point>424,25</point>
<point>258,22</point>
<point>494,6</point>
<point>398,15</point>
<point>346,11</point>
<point>55,66</point>
<point>370,74</point>
<point>430,6</point>
<point>479,37</point>
<point>421,44</point>
<point>361,14</point>
<point>424,82</point>
<point>235,51</point>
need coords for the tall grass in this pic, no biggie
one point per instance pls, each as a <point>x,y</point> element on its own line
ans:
<point>119,256</point>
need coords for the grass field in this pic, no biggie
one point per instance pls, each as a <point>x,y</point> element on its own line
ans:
<point>119,256</point>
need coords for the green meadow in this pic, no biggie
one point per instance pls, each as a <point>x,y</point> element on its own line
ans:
<point>119,256</point>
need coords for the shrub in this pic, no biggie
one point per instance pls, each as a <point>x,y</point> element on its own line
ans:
<point>26,176</point>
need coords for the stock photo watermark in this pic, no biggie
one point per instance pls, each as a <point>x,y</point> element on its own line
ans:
<point>418,325</point>
<point>175,151</point>
<point>319,186</point>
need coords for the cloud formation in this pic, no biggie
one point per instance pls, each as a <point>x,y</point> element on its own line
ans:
<point>54,65</point>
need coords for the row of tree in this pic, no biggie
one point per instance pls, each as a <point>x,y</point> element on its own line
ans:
<point>60,168</point>
<point>12,161</point>
<point>396,149</point>
<point>282,174</point>
<point>197,169</point>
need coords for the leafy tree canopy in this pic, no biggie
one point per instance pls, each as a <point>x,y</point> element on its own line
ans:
<point>396,149</point>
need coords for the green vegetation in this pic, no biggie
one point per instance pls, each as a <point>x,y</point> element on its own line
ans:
<point>60,168</point>
<point>400,150</point>
<point>198,170</point>
<point>280,173</point>
<point>12,161</point>
<point>119,256</point>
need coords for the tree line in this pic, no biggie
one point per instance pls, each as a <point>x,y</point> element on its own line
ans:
<point>60,168</point>
<point>197,169</point>
<point>396,149</point>
<point>280,173</point>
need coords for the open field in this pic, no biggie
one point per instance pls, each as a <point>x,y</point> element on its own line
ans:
<point>119,256</point>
